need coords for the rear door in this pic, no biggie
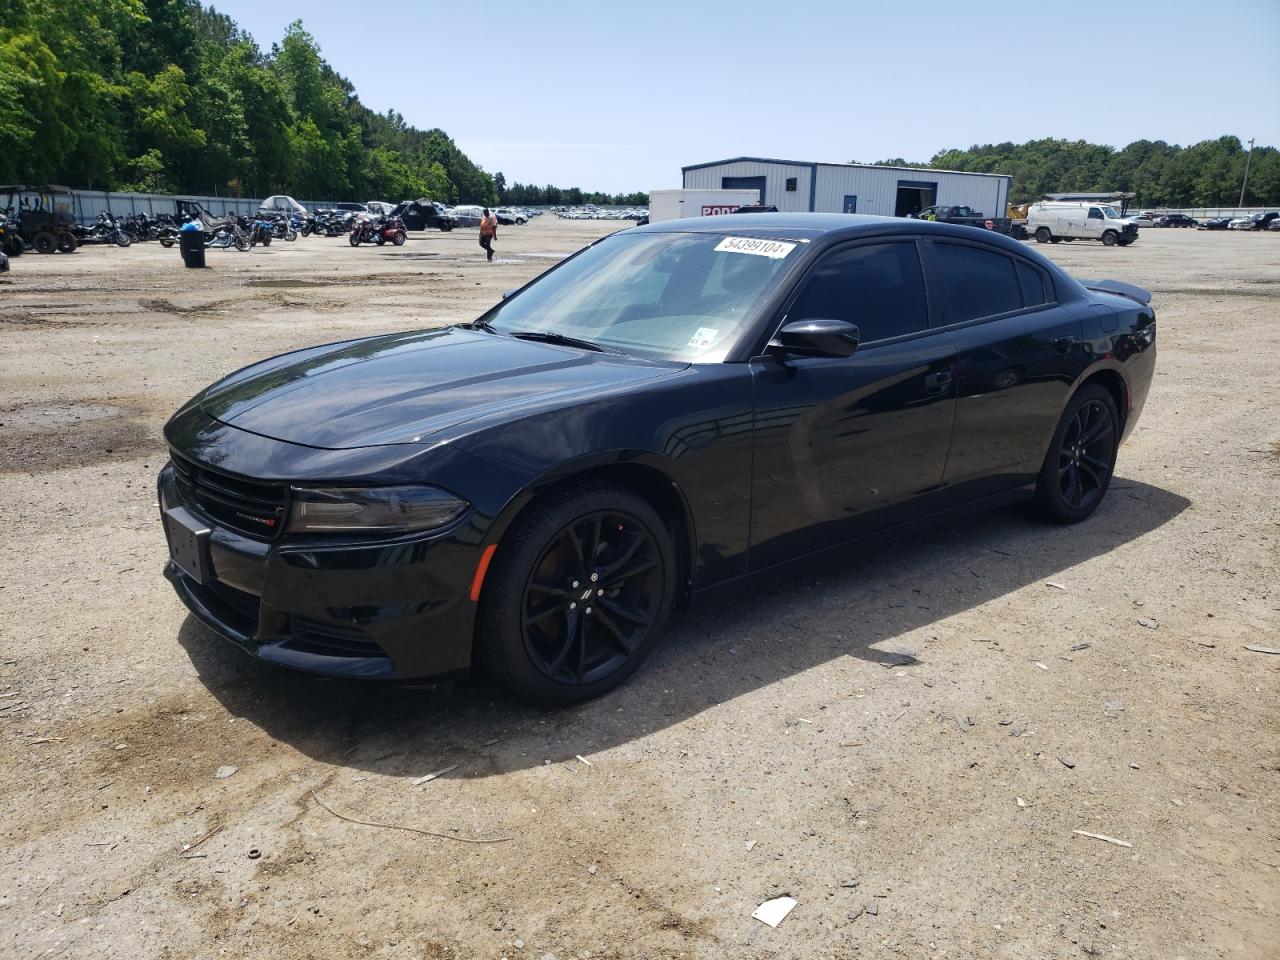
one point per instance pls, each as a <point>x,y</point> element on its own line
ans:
<point>845,446</point>
<point>1018,353</point>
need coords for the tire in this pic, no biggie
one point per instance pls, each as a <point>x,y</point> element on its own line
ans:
<point>354,239</point>
<point>67,243</point>
<point>44,242</point>
<point>446,227</point>
<point>1043,235</point>
<point>242,243</point>
<point>569,650</point>
<point>1109,238</point>
<point>166,242</point>
<point>1056,239</point>
<point>122,239</point>
<point>1125,241</point>
<point>1081,460</point>
<point>291,235</point>
<point>399,238</point>
<point>381,240</point>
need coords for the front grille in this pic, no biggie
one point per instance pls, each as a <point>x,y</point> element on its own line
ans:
<point>250,507</point>
<point>331,640</point>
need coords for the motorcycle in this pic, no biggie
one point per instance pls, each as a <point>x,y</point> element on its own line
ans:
<point>260,230</point>
<point>228,234</point>
<point>365,229</point>
<point>391,230</point>
<point>106,230</point>
<point>284,228</point>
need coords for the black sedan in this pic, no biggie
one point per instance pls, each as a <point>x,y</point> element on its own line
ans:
<point>1217,223</point>
<point>1176,220</point>
<point>676,408</point>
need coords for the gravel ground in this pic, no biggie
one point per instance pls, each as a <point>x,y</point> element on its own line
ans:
<point>908,744</point>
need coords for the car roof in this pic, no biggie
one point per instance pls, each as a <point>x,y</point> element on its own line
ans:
<point>813,226</point>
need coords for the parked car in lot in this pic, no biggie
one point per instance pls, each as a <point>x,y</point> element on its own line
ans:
<point>467,216</point>
<point>351,207</point>
<point>282,204</point>
<point>1258,221</point>
<point>1052,221</point>
<point>1274,226</point>
<point>1176,220</point>
<point>423,214</point>
<point>380,207</point>
<point>1144,219</point>
<point>1218,223</point>
<point>507,216</point>
<point>678,407</point>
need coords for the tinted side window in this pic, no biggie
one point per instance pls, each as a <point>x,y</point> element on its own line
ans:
<point>879,287</point>
<point>976,283</point>
<point>1035,288</point>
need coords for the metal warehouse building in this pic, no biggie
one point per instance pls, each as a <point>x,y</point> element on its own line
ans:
<point>794,186</point>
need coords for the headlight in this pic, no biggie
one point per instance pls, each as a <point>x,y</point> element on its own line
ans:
<point>372,509</point>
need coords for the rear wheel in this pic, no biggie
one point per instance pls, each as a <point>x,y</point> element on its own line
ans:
<point>354,239</point>
<point>578,594</point>
<point>1109,238</point>
<point>1043,235</point>
<point>1082,456</point>
<point>67,243</point>
<point>45,242</point>
<point>399,238</point>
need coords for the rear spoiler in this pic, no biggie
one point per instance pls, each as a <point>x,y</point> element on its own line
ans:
<point>1133,292</point>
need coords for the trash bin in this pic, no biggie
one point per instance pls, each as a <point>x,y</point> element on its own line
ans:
<point>191,244</point>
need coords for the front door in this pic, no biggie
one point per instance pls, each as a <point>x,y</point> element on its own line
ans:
<point>850,203</point>
<point>845,446</point>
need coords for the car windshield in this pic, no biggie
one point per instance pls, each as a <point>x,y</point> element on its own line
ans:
<point>1111,213</point>
<point>665,296</point>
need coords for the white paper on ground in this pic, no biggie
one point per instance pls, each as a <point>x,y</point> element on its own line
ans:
<point>773,912</point>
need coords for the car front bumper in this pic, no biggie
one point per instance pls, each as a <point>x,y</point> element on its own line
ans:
<point>395,609</point>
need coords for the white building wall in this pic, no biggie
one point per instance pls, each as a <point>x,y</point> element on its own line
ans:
<point>775,174</point>
<point>875,187</point>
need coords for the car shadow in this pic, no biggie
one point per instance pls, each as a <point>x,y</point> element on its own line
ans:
<point>715,652</point>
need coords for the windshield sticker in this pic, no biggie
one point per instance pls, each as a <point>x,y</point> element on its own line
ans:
<point>703,338</point>
<point>773,249</point>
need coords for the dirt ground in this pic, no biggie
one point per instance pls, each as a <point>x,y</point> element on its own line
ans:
<point>907,744</point>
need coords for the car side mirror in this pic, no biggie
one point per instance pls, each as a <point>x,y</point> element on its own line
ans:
<point>818,337</point>
<point>508,294</point>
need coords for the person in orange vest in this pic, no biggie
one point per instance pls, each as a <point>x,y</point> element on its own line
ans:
<point>488,232</point>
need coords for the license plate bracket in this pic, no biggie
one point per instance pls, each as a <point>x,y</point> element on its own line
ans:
<point>188,543</point>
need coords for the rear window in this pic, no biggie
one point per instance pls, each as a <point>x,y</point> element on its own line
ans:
<point>1035,287</point>
<point>976,283</point>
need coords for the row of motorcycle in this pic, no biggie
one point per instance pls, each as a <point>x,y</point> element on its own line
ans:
<point>241,232</point>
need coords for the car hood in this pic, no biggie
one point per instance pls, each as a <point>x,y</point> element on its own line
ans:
<point>412,388</point>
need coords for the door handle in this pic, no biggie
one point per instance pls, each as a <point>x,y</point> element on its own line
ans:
<point>1065,344</point>
<point>937,382</point>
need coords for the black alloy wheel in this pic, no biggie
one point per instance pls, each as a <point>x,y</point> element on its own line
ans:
<point>578,595</point>
<point>1078,468</point>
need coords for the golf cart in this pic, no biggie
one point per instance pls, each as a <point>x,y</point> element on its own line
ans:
<point>422,214</point>
<point>41,217</point>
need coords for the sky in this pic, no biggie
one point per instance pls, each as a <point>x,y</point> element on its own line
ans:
<point>619,96</point>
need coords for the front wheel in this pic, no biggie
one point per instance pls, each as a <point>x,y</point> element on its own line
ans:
<point>578,594</point>
<point>1109,238</point>
<point>355,240</point>
<point>242,243</point>
<point>122,239</point>
<point>45,242</point>
<point>1043,235</point>
<point>291,235</point>
<point>1081,459</point>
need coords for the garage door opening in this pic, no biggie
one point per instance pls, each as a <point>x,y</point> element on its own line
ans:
<point>743,183</point>
<point>914,196</point>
